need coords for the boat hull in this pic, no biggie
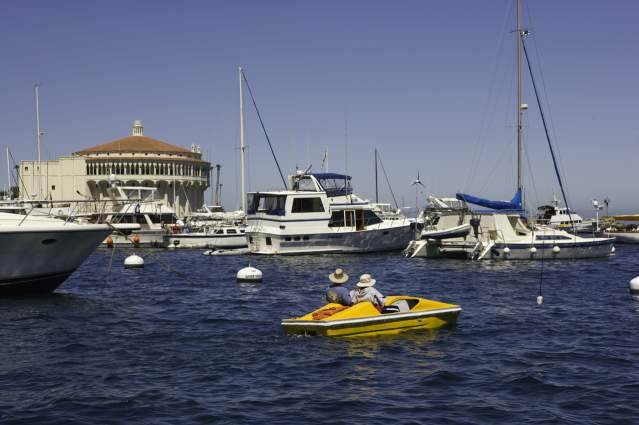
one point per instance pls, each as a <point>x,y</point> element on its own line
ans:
<point>364,320</point>
<point>515,251</point>
<point>37,261</point>
<point>372,240</point>
<point>204,240</point>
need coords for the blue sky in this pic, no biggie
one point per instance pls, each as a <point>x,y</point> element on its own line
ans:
<point>429,83</point>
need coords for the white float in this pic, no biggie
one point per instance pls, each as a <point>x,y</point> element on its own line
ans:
<point>506,250</point>
<point>133,262</point>
<point>634,286</point>
<point>533,250</point>
<point>249,274</point>
<point>556,249</point>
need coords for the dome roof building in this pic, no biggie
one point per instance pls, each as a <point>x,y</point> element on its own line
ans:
<point>179,174</point>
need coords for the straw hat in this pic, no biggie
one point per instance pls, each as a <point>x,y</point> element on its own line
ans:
<point>338,276</point>
<point>365,281</point>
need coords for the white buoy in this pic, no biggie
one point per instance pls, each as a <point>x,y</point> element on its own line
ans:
<point>133,262</point>
<point>612,250</point>
<point>634,286</point>
<point>533,250</point>
<point>540,299</point>
<point>249,274</point>
<point>556,249</point>
<point>506,250</point>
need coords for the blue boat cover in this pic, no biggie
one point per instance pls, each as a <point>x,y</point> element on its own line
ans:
<point>513,204</point>
<point>334,184</point>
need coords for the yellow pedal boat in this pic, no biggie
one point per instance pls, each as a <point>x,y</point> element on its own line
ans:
<point>400,313</point>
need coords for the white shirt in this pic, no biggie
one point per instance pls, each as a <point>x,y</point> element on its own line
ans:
<point>367,294</point>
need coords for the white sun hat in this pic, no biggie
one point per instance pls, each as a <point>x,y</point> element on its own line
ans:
<point>338,276</point>
<point>365,281</point>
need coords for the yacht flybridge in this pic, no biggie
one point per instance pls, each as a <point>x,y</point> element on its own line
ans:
<point>319,213</point>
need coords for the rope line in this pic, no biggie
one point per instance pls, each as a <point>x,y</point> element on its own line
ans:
<point>259,116</point>
<point>379,158</point>
<point>543,120</point>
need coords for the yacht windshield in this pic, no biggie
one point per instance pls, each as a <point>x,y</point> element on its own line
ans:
<point>335,184</point>
<point>304,183</point>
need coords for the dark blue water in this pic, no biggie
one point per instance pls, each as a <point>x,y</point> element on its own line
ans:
<point>147,346</point>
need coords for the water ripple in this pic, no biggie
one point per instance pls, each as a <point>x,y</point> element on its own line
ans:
<point>149,346</point>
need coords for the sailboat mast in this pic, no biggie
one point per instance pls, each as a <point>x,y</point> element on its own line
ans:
<point>8,193</point>
<point>520,107</point>
<point>376,192</point>
<point>243,189</point>
<point>37,98</point>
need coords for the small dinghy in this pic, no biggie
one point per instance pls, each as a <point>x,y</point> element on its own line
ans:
<point>239,251</point>
<point>400,313</point>
<point>452,232</point>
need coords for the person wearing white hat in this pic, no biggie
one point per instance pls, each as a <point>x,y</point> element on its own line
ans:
<point>366,292</point>
<point>336,293</point>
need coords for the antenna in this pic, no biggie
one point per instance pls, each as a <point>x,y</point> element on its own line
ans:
<point>325,160</point>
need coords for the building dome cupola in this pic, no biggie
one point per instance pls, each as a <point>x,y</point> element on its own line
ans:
<point>138,128</point>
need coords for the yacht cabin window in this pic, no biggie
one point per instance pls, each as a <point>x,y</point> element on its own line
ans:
<point>265,203</point>
<point>307,205</point>
<point>353,218</point>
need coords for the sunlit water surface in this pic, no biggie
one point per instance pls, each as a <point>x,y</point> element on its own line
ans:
<point>154,346</point>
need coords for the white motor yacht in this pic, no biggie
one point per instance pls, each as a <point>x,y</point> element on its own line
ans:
<point>558,217</point>
<point>210,227</point>
<point>40,252</point>
<point>319,213</point>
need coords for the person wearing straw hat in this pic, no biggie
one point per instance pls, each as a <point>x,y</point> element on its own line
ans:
<point>366,292</point>
<point>336,293</point>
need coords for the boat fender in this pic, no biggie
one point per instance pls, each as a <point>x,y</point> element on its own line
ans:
<point>556,249</point>
<point>109,241</point>
<point>506,250</point>
<point>634,286</point>
<point>533,250</point>
<point>133,262</point>
<point>135,239</point>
